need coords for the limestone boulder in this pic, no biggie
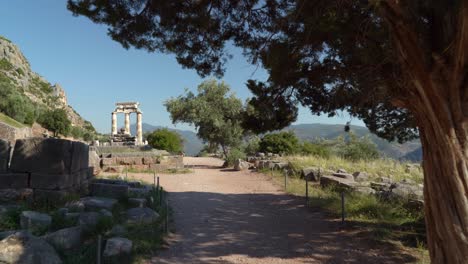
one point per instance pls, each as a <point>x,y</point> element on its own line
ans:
<point>88,220</point>
<point>24,248</point>
<point>5,149</point>
<point>42,156</point>
<point>280,166</point>
<point>141,215</point>
<point>360,176</point>
<point>344,175</point>
<point>118,230</point>
<point>13,180</point>
<point>35,221</point>
<point>333,181</point>
<point>94,162</point>
<point>240,165</point>
<point>139,192</point>
<point>311,173</point>
<point>117,248</point>
<point>93,203</point>
<point>80,157</point>
<point>65,239</point>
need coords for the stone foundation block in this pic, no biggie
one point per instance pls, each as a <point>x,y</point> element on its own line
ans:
<point>14,180</point>
<point>53,181</point>
<point>5,149</point>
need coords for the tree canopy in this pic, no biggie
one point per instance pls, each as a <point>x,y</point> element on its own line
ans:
<point>56,121</point>
<point>166,140</point>
<point>214,111</point>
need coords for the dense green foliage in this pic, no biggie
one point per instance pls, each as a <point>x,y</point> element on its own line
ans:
<point>165,139</point>
<point>315,149</point>
<point>357,149</point>
<point>281,143</point>
<point>15,104</point>
<point>214,111</point>
<point>56,121</point>
<point>235,154</point>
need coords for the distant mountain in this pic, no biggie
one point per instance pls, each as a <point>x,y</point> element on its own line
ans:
<point>325,131</point>
<point>192,144</point>
<point>415,155</point>
<point>309,132</point>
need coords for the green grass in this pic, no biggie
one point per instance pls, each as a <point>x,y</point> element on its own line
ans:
<point>10,121</point>
<point>374,168</point>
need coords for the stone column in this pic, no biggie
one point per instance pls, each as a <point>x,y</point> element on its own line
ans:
<point>114,123</point>
<point>127,123</point>
<point>139,135</point>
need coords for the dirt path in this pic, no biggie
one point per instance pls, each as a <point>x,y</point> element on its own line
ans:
<point>224,216</point>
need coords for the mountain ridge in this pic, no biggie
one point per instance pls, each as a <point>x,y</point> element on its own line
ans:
<point>309,132</point>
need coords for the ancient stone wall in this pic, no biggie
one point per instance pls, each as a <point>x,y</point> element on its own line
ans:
<point>11,134</point>
<point>139,160</point>
<point>44,169</point>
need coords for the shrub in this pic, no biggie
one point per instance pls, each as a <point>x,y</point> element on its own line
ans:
<point>235,154</point>
<point>315,149</point>
<point>252,145</point>
<point>281,143</point>
<point>56,121</point>
<point>358,149</point>
<point>166,140</point>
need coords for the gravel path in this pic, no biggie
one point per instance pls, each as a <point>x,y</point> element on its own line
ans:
<point>225,216</point>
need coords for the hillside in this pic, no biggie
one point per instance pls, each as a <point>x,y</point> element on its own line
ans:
<point>193,145</point>
<point>25,94</point>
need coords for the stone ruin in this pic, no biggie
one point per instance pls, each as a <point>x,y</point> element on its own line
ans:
<point>123,136</point>
<point>43,168</point>
<point>139,158</point>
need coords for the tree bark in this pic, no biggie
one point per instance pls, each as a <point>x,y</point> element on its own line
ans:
<point>445,192</point>
<point>437,95</point>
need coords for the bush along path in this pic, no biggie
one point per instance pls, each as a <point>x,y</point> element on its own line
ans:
<point>121,222</point>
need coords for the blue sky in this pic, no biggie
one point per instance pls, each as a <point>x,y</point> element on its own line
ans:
<point>96,72</point>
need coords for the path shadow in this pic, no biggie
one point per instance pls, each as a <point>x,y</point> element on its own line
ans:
<point>215,227</point>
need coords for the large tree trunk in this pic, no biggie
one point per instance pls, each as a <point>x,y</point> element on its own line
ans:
<point>437,95</point>
<point>445,192</point>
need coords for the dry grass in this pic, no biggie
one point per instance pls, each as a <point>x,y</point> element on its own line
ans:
<point>393,169</point>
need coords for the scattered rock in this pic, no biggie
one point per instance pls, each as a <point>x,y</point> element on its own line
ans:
<point>62,211</point>
<point>117,247</point>
<point>94,203</point>
<point>22,247</point>
<point>72,216</point>
<point>344,176</point>
<point>240,165</point>
<point>408,191</point>
<point>118,230</point>
<point>385,180</point>
<point>64,239</point>
<point>311,173</point>
<point>105,213</point>
<point>143,215</point>
<point>280,166</point>
<point>364,190</point>
<point>326,181</point>
<point>89,220</point>
<point>76,206</point>
<point>341,171</point>
<point>35,221</point>
<point>139,192</point>
<point>94,162</point>
<point>360,176</point>
<point>137,202</point>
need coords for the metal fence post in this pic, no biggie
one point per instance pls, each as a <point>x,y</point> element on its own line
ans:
<point>285,180</point>
<point>342,208</point>
<point>98,260</point>
<point>307,190</point>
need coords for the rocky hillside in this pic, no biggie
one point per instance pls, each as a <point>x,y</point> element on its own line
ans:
<point>19,83</point>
